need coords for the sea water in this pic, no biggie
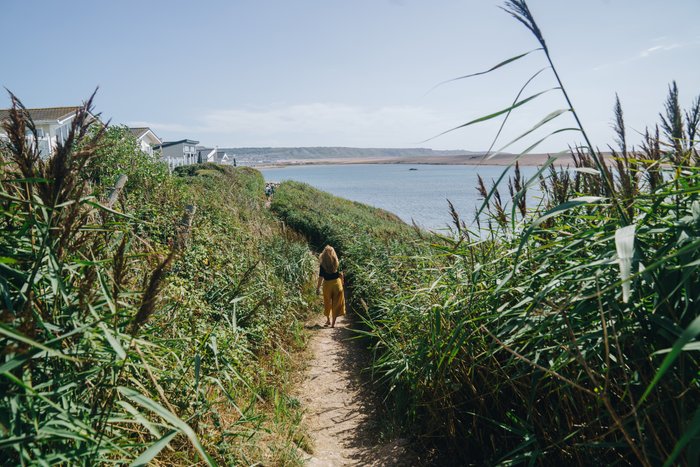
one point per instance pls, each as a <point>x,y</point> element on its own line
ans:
<point>418,195</point>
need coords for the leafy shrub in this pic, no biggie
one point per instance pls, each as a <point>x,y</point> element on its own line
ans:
<point>146,329</point>
<point>119,153</point>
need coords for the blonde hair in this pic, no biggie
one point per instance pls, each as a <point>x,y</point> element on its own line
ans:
<point>329,260</point>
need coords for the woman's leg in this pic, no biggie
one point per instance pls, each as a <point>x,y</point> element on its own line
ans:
<point>338,304</point>
<point>327,302</point>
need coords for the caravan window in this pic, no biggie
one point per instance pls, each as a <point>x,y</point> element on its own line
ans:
<point>62,134</point>
<point>39,132</point>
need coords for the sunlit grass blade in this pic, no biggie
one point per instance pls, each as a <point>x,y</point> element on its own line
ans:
<point>495,67</point>
<point>149,454</point>
<point>19,337</point>
<point>537,143</point>
<point>624,243</point>
<point>169,417</point>
<point>113,341</point>
<point>517,97</point>
<point>551,116</point>
<point>495,114</point>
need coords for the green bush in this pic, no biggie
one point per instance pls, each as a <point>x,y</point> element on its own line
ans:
<point>119,153</point>
<point>139,331</point>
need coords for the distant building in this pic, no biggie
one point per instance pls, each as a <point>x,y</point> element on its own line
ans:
<point>223,157</point>
<point>216,155</point>
<point>177,153</point>
<point>146,138</point>
<point>206,155</point>
<point>52,126</point>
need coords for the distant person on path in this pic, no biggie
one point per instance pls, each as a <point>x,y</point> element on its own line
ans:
<point>332,280</point>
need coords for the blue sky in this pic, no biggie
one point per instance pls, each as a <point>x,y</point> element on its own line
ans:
<point>346,72</point>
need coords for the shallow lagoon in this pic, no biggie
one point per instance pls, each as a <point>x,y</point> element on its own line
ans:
<point>414,195</point>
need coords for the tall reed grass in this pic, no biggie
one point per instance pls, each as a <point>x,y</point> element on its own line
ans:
<point>562,334</point>
<point>136,329</point>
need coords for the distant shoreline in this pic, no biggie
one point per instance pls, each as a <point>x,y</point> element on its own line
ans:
<point>530,160</point>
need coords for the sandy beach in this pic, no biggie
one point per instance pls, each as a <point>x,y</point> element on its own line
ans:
<point>532,160</point>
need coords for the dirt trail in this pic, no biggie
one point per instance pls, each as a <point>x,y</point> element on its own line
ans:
<point>338,406</point>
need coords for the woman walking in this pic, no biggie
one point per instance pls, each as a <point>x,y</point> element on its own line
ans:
<point>332,280</point>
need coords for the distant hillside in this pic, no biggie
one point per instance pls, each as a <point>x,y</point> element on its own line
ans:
<point>268,155</point>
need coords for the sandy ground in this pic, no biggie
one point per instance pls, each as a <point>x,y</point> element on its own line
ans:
<point>338,406</point>
<point>531,160</point>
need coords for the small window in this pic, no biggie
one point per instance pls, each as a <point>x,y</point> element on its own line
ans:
<point>62,133</point>
<point>39,132</point>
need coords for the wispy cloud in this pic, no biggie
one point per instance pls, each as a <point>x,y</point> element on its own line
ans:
<point>305,124</point>
<point>660,48</point>
<point>652,51</point>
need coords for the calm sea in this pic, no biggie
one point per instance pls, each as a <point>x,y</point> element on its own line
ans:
<point>420,195</point>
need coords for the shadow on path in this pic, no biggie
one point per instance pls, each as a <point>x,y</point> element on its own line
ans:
<point>341,409</point>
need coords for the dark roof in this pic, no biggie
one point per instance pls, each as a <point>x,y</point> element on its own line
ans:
<point>49,113</point>
<point>173,143</point>
<point>139,132</point>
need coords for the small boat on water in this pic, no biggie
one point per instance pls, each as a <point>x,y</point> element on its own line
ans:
<point>412,168</point>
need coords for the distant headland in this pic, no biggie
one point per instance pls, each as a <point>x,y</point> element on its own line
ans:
<point>284,156</point>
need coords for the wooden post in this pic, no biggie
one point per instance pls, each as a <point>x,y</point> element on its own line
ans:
<point>185,226</point>
<point>114,194</point>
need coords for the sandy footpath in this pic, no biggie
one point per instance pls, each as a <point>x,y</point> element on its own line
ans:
<point>338,407</point>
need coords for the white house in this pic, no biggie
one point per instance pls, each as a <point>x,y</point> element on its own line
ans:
<point>216,155</point>
<point>52,126</point>
<point>176,153</point>
<point>223,157</point>
<point>146,138</point>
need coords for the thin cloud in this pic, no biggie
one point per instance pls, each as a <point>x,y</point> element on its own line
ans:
<point>660,48</point>
<point>315,123</point>
<point>650,51</point>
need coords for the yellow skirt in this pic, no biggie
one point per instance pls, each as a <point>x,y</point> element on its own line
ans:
<point>333,298</point>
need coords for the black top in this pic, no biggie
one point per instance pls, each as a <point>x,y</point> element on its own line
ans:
<point>328,276</point>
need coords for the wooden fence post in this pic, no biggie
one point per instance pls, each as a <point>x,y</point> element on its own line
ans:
<point>185,226</point>
<point>114,194</point>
